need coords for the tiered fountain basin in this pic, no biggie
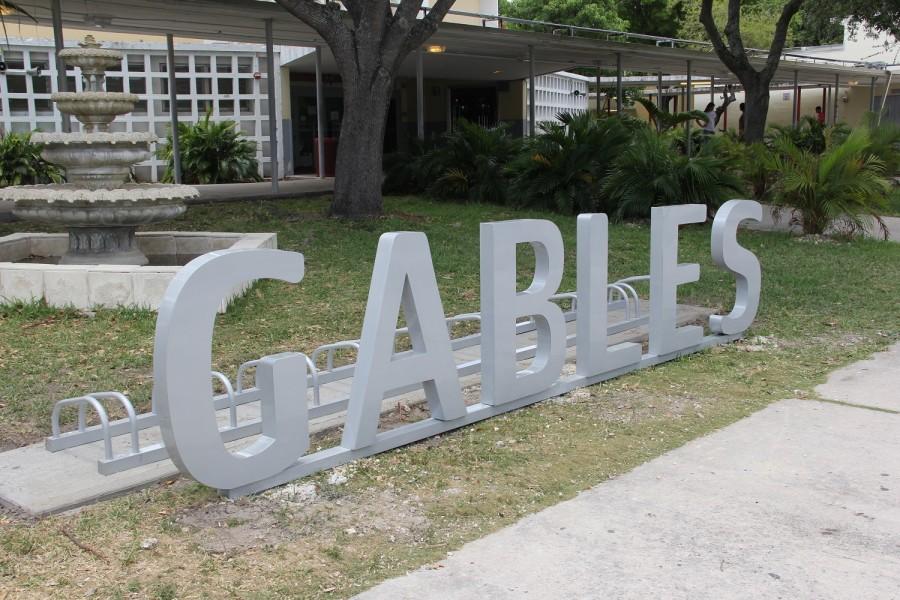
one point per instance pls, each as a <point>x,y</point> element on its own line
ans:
<point>29,268</point>
<point>102,261</point>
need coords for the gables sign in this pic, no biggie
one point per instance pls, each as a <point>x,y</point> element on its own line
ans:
<point>403,276</point>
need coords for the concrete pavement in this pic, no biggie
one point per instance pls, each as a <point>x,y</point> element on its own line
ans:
<point>800,500</point>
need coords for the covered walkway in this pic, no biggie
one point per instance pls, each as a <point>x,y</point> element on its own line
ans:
<point>486,50</point>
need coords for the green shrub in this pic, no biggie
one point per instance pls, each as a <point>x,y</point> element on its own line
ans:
<point>664,121</point>
<point>651,172</point>
<point>212,152</point>
<point>563,167</point>
<point>409,172</point>
<point>846,181</point>
<point>21,162</point>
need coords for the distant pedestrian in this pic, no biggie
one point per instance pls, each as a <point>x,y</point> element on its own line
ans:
<point>741,121</point>
<point>709,128</point>
<point>820,116</point>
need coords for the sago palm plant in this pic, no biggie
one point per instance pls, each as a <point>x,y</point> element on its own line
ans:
<point>844,182</point>
<point>21,162</point>
<point>469,163</point>
<point>212,152</point>
<point>651,172</point>
<point>563,167</point>
<point>664,121</point>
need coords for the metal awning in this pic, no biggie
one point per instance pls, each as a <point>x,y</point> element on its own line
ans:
<point>471,51</point>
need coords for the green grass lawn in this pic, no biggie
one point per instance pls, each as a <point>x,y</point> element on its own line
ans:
<point>824,304</point>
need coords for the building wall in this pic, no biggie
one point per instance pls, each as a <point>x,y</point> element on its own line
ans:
<point>220,79</point>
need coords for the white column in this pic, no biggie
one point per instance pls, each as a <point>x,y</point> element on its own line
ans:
<point>320,113</point>
<point>273,108</point>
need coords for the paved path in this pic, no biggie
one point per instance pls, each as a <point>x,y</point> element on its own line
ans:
<point>800,500</point>
<point>783,223</point>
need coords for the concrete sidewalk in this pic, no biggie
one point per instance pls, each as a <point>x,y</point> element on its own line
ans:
<point>800,500</point>
<point>772,221</point>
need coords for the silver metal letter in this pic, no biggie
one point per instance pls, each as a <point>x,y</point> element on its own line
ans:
<point>594,357</point>
<point>666,275</point>
<point>502,305</point>
<point>403,274</point>
<point>728,254</point>
<point>182,358</point>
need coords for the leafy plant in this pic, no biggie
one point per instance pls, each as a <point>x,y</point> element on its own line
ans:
<point>21,162</point>
<point>469,163</point>
<point>563,167</point>
<point>884,142</point>
<point>212,152</point>
<point>651,172</point>
<point>845,182</point>
<point>665,121</point>
<point>409,172</point>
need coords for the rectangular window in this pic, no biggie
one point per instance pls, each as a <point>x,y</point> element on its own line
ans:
<point>15,84</point>
<point>223,64</point>
<point>136,63</point>
<point>245,64</point>
<point>114,84</point>
<point>226,107</point>
<point>41,85</point>
<point>226,86</point>
<point>137,85</point>
<point>202,64</point>
<point>245,87</point>
<point>14,60</point>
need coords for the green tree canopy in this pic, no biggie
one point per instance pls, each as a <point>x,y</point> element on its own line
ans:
<point>602,14</point>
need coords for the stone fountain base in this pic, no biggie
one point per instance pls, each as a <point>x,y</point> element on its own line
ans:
<point>30,268</point>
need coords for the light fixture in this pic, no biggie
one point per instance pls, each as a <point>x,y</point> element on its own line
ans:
<point>498,71</point>
<point>6,11</point>
<point>435,49</point>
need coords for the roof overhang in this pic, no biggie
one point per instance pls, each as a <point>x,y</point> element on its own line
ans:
<point>472,52</point>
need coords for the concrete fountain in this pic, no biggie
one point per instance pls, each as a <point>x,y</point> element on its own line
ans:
<point>101,261</point>
<point>98,206</point>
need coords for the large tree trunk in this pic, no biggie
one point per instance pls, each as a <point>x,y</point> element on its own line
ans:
<point>756,109</point>
<point>369,40</point>
<point>358,173</point>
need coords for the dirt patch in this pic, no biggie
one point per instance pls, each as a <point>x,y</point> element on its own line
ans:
<point>314,512</point>
<point>227,527</point>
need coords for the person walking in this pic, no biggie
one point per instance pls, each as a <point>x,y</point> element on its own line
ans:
<point>741,121</point>
<point>820,116</point>
<point>709,128</point>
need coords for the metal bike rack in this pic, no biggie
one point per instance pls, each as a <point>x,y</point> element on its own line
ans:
<point>620,295</point>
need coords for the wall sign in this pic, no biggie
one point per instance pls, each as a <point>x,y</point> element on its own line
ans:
<point>403,276</point>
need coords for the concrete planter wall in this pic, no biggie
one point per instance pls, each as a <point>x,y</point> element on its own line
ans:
<point>106,286</point>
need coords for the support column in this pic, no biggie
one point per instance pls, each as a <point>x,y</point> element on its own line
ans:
<point>712,89</point>
<point>620,101</point>
<point>659,96</point>
<point>273,107</point>
<point>173,106</point>
<point>795,114</point>
<point>689,106</point>
<point>320,113</point>
<point>872,95</point>
<point>420,95</point>
<point>599,103</point>
<point>59,44</point>
<point>837,90</point>
<point>532,113</point>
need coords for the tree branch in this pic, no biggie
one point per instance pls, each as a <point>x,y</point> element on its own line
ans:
<point>325,18</point>
<point>781,29</point>
<point>712,30</point>
<point>425,28</point>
